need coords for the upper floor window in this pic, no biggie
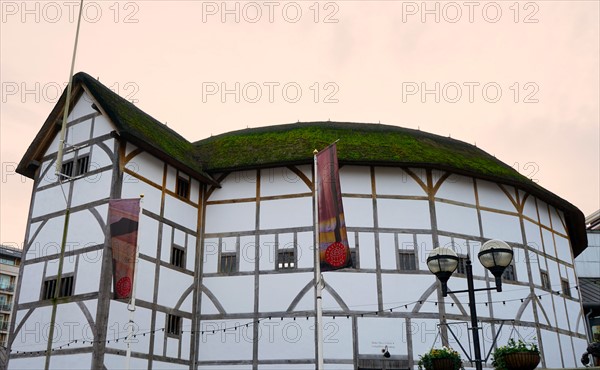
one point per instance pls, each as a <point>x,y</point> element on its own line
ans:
<point>286,259</point>
<point>545,279</point>
<point>462,265</point>
<point>228,263</point>
<point>83,164</point>
<point>177,256</point>
<point>67,169</point>
<point>354,257</point>
<point>509,273</point>
<point>66,287</point>
<point>182,187</point>
<point>407,260</point>
<point>173,325</point>
<point>566,288</point>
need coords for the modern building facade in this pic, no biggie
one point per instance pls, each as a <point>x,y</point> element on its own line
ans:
<point>225,271</point>
<point>10,261</point>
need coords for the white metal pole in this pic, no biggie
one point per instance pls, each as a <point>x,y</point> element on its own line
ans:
<point>131,305</point>
<point>318,277</point>
<point>61,143</point>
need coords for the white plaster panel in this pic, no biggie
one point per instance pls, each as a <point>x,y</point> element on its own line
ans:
<point>144,286</point>
<point>281,181</point>
<point>534,238</point>
<point>235,293</point>
<point>406,242</point>
<point>31,336</point>
<point>171,286</point>
<point>148,236</point>
<point>355,179</point>
<point>186,337</point>
<point>88,272</point>
<point>554,275</point>
<point>278,291</point>
<point>529,209</point>
<point>337,338</point>
<point>31,282</point>
<point>572,282</point>
<point>402,289</point>
<point>306,251</point>
<point>79,132</point>
<point>159,336</point>
<point>543,210</point>
<point>507,302</point>
<point>211,254</point>
<point>421,173</point>
<point>563,249</point>
<point>374,333</point>
<point>568,355</point>
<point>67,361</point>
<point>230,217</point>
<point>501,226</point>
<point>172,347</point>
<point>267,252</point>
<point>171,178</point>
<point>82,107</point>
<point>424,333</point>
<point>49,200</point>
<point>180,212</point>
<point>102,126</point>
<point>285,241</point>
<point>307,303</point>
<point>47,242</point>
<point>548,243</point>
<point>520,263</point>
<point>286,339</point>
<point>53,147</point>
<point>132,188</point>
<point>231,344</point>
<point>248,253</point>
<point>424,247</point>
<point>190,253</point>
<point>400,213</point>
<point>207,306</point>
<point>491,196</point>
<point>557,223</point>
<point>387,251</point>
<point>89,189</point>
<point>84,230</point>
<point>118,327</point>
<point>457,219</point>
<point>284,213</point>
<point>358,212</point>
<point>355,289</point>
<point>366,250</point>
<point>114,362</point>
<point>31,363</point>
<point>458,188</point>
<point>394,181</point>
<point>186,305</point>
<point>99,157</point>
<point>579,344</point>
<point>165,245</point>
<point>148,166</point>
<point>195,191</point>
<point>551,349</point>
<point>70,324</point>
<point>237,185</point>
<point>47,174</point>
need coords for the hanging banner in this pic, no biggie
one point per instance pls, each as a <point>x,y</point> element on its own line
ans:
<point>123,217</point>
<point>334,251</point>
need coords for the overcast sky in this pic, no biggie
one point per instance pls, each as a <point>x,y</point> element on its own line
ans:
<point>521,80</point>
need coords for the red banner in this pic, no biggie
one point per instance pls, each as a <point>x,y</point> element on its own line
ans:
<point>334,251</point>
<point>123,217</point>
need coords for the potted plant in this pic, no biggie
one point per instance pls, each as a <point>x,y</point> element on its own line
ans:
<point>516,356</point>
<point>440,359</point>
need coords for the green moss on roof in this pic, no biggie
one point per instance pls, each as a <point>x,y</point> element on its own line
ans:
<point>358,143</point>
<point>141,128</point>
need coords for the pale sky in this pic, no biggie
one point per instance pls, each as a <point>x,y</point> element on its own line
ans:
<point>521,80</point>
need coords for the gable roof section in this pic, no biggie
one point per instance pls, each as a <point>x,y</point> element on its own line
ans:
<point>132,124</point>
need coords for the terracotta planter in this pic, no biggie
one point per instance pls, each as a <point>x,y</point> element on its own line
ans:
<point>522,360</point>
<point>443,364</point>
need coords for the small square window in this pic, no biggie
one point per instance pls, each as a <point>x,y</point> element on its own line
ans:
<point>462,265</point>
<point>228,263</point>
<point>354,257</point>
<point>67,169</point>
<point>566,288</point>
<point>66,287</point>
<point>509,273</point>
<point>183,187</point>
<point>286,260</point>
<point>407,260</point>
<point>49,289</point>
<point>545,280</point>
<point>177,256</point>
<point>83,164</point>
<point>173,325</point>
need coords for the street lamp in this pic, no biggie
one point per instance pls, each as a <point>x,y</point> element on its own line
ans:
<point>495,255</point>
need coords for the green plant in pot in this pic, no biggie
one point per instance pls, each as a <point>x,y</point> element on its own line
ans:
<point>516,355</point>
<point>440,359</point>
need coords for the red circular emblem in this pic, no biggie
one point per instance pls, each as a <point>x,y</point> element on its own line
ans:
<point>124,286</point>
<point>335,254</point>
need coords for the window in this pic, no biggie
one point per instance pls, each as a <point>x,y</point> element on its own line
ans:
<point>67,169</point>
<point>354,257</point>
<point>177,256</point>
<point>83,164</point>
<point>407,260</point>
<point>462,265</point>
<point>183,187</point>
<point>286,260</point>
<point>173,325</point>
<point>228,263</point>
<point>545,279</point>
<point>66,287</point>
<point>566,288</point>
<point>509,273</point>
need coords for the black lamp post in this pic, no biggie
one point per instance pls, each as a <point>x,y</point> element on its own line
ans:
<point>495,255</point>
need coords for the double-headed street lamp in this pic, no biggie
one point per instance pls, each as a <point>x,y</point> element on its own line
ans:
<point>495,255</point>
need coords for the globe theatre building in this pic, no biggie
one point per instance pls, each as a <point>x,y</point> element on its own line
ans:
<point>225,275</point>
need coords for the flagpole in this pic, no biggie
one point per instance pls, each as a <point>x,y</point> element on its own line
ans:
<point>131,305</point>
<point>318,276</point>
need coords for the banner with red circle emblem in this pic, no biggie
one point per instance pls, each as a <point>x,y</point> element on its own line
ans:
<point>123,217</point>
<point>334,250</point>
